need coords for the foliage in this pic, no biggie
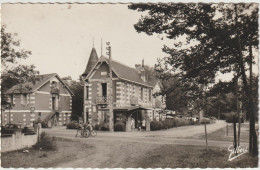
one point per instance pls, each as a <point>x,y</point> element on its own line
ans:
<point>11,72</point>
<point>77,99</point>
<point>104,126</point>
<point>72,125</point>
<point>46,142</point>
<point>171,123</point>
<point>97,127</point>
<point>176,98</point>
<point>232,117</point>
<point>156,125</point>
<point>43,123</point>
<point>219,38</point>
<point>120,127</point>
<point>205,121</point>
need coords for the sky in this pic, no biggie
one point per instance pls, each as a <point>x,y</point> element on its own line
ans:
<point>61,36</point>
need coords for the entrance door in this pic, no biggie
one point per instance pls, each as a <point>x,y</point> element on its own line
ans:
<point>56,119</point>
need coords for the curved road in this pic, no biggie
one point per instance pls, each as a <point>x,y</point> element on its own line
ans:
<point>119,149</point>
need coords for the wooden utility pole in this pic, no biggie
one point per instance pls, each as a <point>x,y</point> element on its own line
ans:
<point>111,114</point>
<point>206,136</point>
<point>227,128</point>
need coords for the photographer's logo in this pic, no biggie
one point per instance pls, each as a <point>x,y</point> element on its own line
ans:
<point>236,152</point>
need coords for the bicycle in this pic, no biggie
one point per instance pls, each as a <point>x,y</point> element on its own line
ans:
<point>83,133</point>
<point>92,133</point>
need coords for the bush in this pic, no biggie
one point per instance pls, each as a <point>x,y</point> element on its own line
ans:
<point>205,121</point>
<point>46,142</point>
<point>72,125</point>
<point>44,123</point>
<point>104,126</point>
<point>97,127</point>
<point>232,118</point>
<point>156,125</point>
<point>120,127</point>
<point>170,123</point>
<point>183,122</point>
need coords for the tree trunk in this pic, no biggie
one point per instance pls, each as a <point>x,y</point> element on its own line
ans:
<point>235,133</point>
<point>218,112</point>
<point>253,148</point>
<point>253,137</point>
<point>238,114</point>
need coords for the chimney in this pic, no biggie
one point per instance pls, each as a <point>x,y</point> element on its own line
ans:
<point>143,76</point>
<point>137,66</point>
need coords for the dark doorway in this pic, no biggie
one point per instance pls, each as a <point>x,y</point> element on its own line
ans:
<point>104,89</point>
<point>87,116</point>
<point>53,103</point>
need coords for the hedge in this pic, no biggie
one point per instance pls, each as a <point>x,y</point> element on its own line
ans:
<point>170,123</point>
<point>72,125</point>
<point>156,125</point>
<point>120,127</point>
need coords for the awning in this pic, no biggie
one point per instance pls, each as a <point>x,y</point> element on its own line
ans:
<point>129,108</point>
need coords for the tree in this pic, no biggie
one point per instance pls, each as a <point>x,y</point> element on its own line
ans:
<point>176,98</point>
<point>175,95</point>
<point>77,99</point>
<point>13,73</point>
<point>220,38</point>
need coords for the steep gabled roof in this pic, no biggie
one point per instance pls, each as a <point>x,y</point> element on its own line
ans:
<point>29,87</point>
<point>93,58</point>
<point>123,72</point>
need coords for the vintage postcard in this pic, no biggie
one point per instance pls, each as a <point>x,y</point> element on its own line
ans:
<point>129,85</point>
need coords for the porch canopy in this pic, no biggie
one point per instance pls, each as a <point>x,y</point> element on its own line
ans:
<point>129,108</point>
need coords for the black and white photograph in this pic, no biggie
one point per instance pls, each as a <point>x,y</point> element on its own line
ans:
<point>129,84</point>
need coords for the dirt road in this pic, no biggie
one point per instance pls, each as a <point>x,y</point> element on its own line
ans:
<point>124,149</point>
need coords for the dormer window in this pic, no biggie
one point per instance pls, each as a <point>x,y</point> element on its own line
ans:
<point>103,73</point>
<point>23,99</point>
<point>54,87</point>
<point>10,99</point>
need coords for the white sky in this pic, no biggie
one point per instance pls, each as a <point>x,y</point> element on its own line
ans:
<point>60,36</point>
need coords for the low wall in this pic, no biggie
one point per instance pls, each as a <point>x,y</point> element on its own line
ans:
<point>18,140</point>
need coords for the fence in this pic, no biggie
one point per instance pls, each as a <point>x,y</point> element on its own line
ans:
<point>19,140</point>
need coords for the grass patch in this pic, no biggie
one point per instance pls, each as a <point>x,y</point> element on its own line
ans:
<point>173,156</point>
<point>46,142</point>
<point>221,134</point>
<point>67,150</point>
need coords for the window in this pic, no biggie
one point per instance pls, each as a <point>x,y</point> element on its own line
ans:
<point>39,114</point>
<point>150,95</point>
<point>104,89</point>
<point>55,102</point>
<point>23,99</point>
<point>10,99</point>
<point>87,92</point>
<point>103,73</point>
<point>142,93</point>
<point>94,109</point>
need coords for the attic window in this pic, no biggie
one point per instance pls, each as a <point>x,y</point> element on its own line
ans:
<point>103,73</point>
<point>23,99</point>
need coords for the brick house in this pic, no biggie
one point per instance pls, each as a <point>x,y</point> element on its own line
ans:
<point>133,100</point>
<point>48,99</point>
